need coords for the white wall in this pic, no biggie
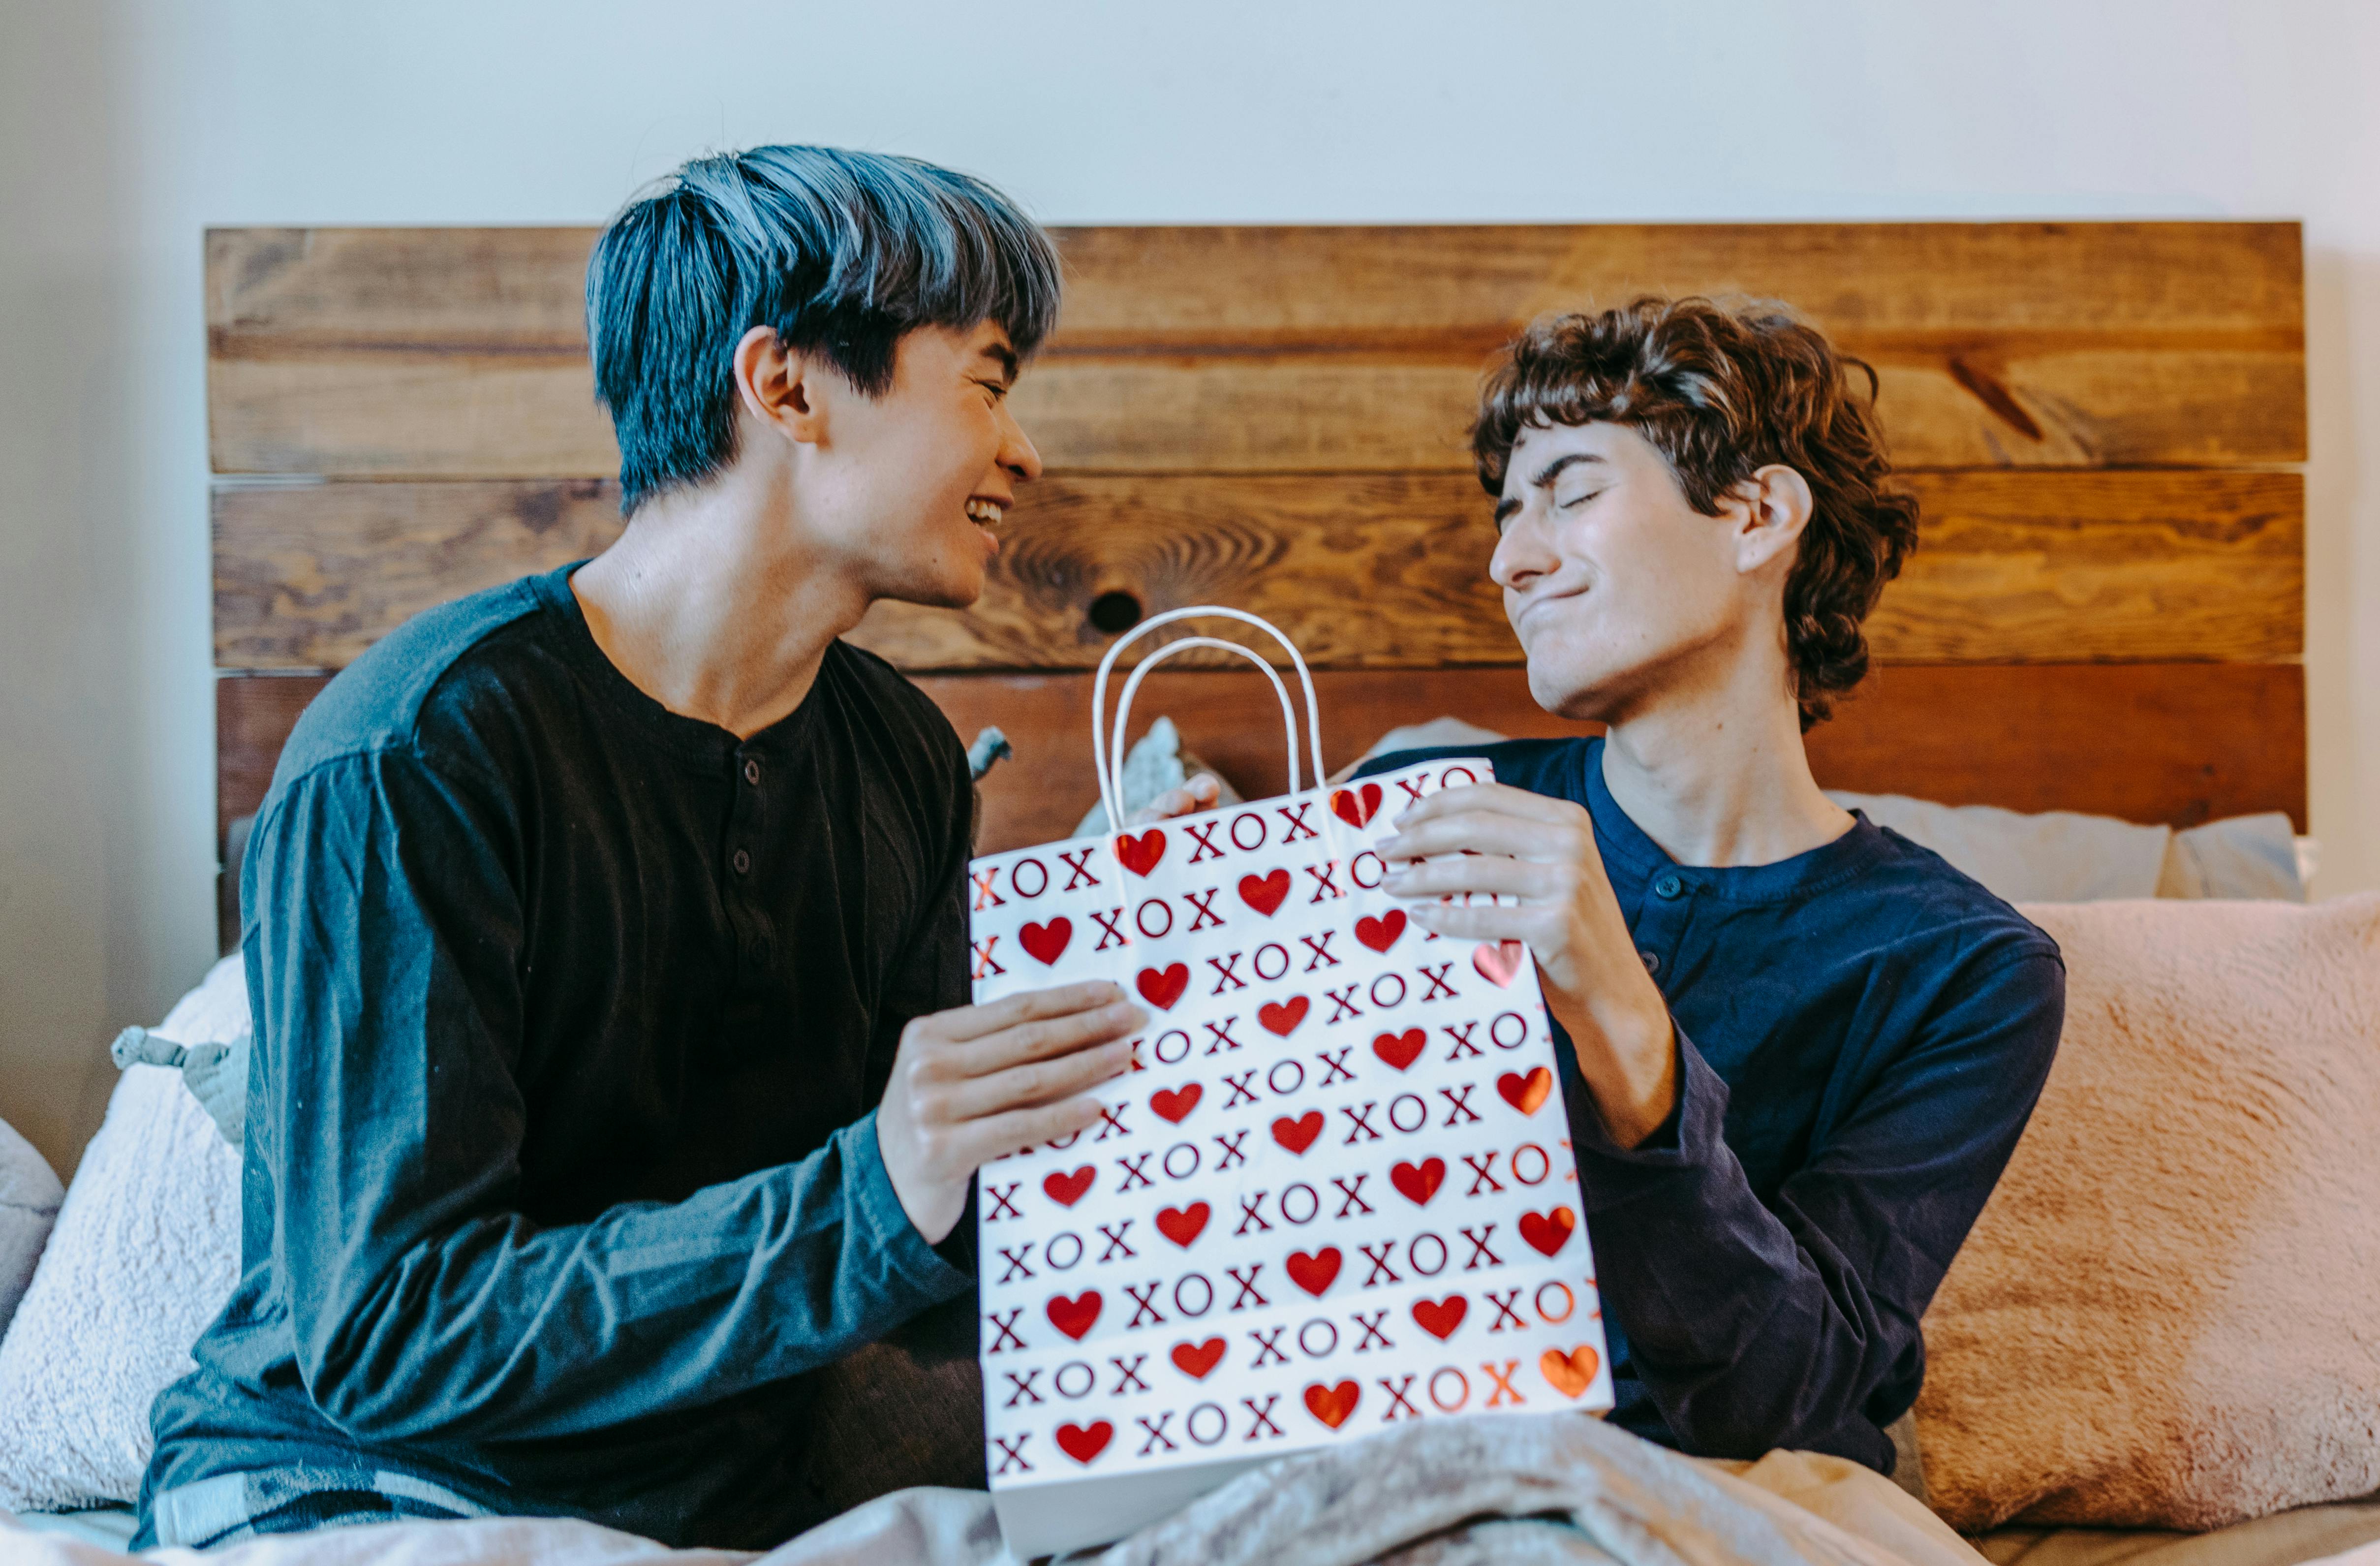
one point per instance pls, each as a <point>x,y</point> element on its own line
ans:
<point>126,128</point>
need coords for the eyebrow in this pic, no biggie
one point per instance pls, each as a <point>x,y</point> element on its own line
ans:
<point>1003,356</point>
<point>1543,477</point>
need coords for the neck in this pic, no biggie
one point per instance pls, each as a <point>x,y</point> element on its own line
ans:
<point>712,603</point>
<point>1718,776</point>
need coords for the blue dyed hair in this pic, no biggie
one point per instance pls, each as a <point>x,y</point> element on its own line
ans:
<point>842,253</point>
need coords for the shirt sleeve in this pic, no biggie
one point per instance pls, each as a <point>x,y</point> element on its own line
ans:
<point>1795,1322</point>
<point>385,963</point>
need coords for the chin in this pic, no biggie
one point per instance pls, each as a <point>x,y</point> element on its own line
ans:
<point>1574,681</point>
<point>940,593</point>
<point>1566,693</point>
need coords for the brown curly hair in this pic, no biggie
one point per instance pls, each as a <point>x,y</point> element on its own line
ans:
<point>1720,392</point>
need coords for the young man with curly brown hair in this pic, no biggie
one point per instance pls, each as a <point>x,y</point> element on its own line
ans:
<point>1798,1048</point>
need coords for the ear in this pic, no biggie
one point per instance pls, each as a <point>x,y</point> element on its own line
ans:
<point>1776,507</point>
<point>781,387</point>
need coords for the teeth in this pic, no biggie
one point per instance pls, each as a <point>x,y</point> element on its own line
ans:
<point>984,510</point>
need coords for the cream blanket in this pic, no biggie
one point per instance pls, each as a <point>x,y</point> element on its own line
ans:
<point>1552,1488</point>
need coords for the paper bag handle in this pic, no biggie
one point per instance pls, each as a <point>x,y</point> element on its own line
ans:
<point>1107,749</point>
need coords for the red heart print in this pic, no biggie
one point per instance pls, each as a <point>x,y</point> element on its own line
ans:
<point>1195,1360</point>
<point>1046,944</point>
<point>1525,1093</point>
<point>1161,988</point>
<point>1569,1374</point>
<point>1332,1405</point>
<point>1174,1104</point>
<point>1355,807</point>
<point>1381,933</point>
<point>1498,962</point>
<point>1067,1189</point>
<point>1418,1183</point>
<point>1264,893</point>
<point>1314,1273</point>
<point>1140,854</point>
<point>1298,1134</point>
<point>1074,1316</point>
<point>1283,1019</point>
<point>1183,1225</point>
<point>1548,1231</point>
<point>1441,1318</point>
<point>1082,1444</point>
<point>1399,1050</point>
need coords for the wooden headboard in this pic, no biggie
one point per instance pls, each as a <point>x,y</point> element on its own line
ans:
<point>2105,614</point>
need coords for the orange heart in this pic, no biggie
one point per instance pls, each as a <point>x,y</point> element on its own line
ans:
<point>1195,1360</point>
<point>1525,1093</point>
<point>1569,1374</point>
<point>1332,1405</point>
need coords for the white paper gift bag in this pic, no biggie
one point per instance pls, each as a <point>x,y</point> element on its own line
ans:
<point>1334,1194</point>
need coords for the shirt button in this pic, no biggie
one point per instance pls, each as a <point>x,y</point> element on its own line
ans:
<point>752,773</point>
<point>1669,886</point>
<point>1652,961</point>
<point>743,862</point>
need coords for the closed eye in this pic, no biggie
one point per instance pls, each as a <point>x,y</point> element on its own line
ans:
<point>999,391</point>
<point>1576,500</point>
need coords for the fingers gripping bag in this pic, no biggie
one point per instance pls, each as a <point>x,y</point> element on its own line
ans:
<point>1335,1192</point>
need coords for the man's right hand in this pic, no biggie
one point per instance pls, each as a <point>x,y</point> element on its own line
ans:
<point>971,1085</point>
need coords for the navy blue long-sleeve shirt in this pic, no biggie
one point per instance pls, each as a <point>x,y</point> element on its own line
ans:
<point>1861,1034</point>
<point>571,1017</point>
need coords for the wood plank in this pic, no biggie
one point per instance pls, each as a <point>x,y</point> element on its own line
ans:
<point>2132,740</point>
<point>1363,571</point>
<point>253,716</point>
<point>460,353</point>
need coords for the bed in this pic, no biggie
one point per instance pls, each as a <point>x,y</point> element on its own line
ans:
<point>2102,421</point>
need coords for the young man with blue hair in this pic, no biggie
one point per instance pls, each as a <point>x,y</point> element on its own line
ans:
<point>604,931</point>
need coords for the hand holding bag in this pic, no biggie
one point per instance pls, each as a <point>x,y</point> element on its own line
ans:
<point>1334,1194</point>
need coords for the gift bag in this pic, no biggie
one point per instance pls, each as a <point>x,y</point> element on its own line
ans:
<point>1335,1192</point>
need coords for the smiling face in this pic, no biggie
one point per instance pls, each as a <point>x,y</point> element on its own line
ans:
<point>912,486</point>
<point>1617,588</point>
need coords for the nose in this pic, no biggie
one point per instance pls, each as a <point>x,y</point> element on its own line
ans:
<point>1017,454</point>
<point>1523,554</point>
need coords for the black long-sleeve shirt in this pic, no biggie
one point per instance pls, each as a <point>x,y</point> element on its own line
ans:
<point>571,1017</point>
<point>1861,1034</point>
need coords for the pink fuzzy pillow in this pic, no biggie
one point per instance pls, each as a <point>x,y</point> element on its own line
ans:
<point>2169,1313</point>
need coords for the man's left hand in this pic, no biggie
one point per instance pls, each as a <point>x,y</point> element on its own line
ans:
<point>1501,840</point>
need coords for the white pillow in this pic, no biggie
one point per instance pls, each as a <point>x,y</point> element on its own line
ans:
<point>30,1193</point>
<point>145,1252</point>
